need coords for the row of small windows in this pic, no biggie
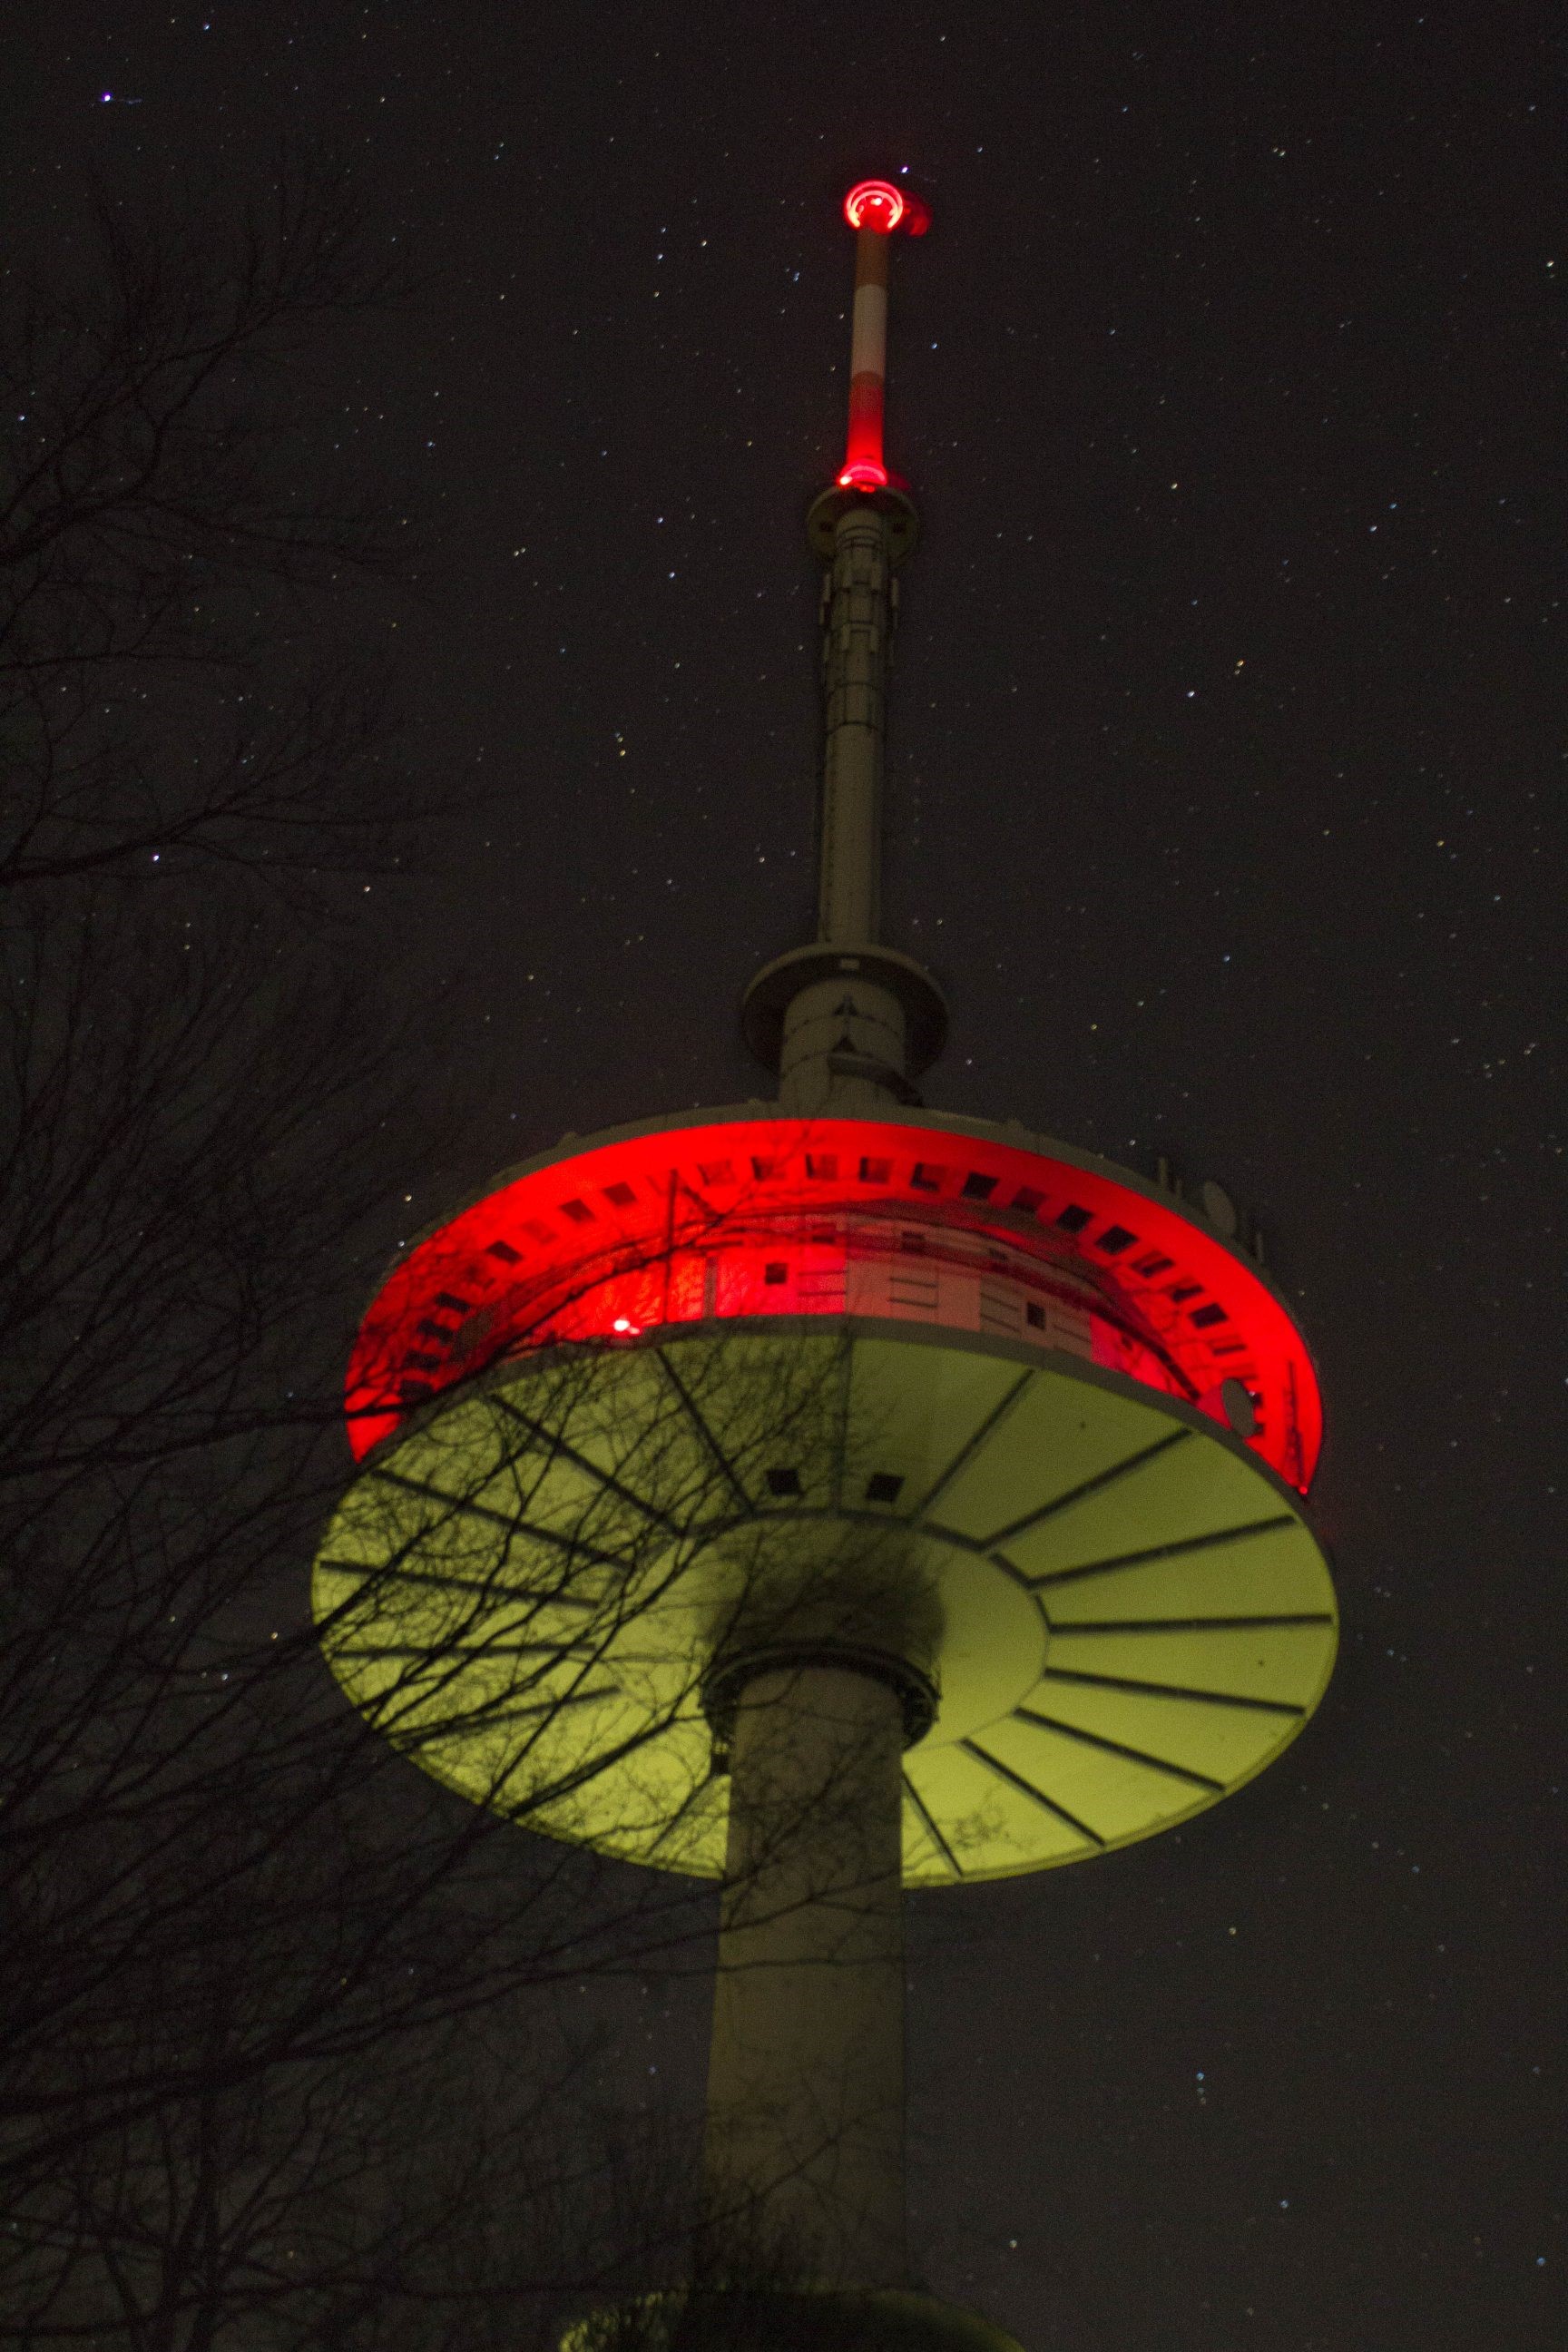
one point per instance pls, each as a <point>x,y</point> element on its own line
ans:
<point>881,1487</point>
<point>823,1168</point>
<point>931,1177</point>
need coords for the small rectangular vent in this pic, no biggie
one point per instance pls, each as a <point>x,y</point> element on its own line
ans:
<point>883,1486</point>
<point>621,1194</point>
<point>926,1176</point>
<point>452,1303</point>
<point>1204,1317</point>
<point>784,1482</point>
<point>429,1330</point>
<point>1026,1199</point>
<point>775,1272</point>
<point>578,1211</point>
<point>1149,1267</point>
<point>822,1167</point>
<point>1072,1219</point>
<point>911,1290</point>
<point>1114,1240</point>
<point>763,1169</point>
<point>1231,1348</point>
<point>1036,1315</point>
<point>875,1171</point>
<point>505,1252</point>
<point>977,1187</point>
<point>1184,1290</point>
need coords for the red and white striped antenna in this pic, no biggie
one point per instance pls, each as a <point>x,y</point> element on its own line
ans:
<point>875,210</point>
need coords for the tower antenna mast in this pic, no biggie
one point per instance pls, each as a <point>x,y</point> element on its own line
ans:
<point>849,1023</point>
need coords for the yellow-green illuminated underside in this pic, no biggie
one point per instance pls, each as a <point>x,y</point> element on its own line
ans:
<point>523,1590</point>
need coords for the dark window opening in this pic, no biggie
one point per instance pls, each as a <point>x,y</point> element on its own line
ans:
<point>1036,1315</point>
<point>883,1486</point>
<point>875,1171</point>
<point>1184,1290</point>
<point>505,1252</point>
<point>1114,1240</point>
<point>762,1168</point>
<point>927,1177</point>
<point>578,1211</point>
<point>1230,1348</point>
<point>977,1187</point>
<point>1072,1219</point>
<point>1204,1317</point>
<point>1027,1198</point>
<point>1150,1266</point>
<point>452,1303</point>
<point>429,1331</point>
<point>775,1272</point>
<point>822,1165</point>
<point>621,1194</point>
<point>784,1482</point>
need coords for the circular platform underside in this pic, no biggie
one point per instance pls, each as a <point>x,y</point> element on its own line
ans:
<point>1126,1616</point>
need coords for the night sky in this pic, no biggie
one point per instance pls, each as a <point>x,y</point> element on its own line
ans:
<point>1224,796</point>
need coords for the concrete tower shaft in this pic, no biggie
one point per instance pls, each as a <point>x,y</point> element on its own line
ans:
<point>806,2093</point>
<point>803,2154</point>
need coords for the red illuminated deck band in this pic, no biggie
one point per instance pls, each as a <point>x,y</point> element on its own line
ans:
<point>743,1217</point>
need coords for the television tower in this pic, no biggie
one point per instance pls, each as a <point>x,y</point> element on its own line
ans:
<point>832,1495</point>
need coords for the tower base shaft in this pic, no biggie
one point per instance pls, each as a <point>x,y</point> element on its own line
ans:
<point>804,2158</point>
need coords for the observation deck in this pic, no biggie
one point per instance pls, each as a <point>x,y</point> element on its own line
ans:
<point>925,1219</point>
<point>1040,1403</point>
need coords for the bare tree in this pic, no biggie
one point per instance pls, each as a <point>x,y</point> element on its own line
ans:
<point>238,1935</point>
<point>219,1891</point>
<point>175,546</point>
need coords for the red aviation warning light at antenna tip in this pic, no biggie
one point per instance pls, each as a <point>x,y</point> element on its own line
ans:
<point>877,204</point>
<point>874,209</point>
